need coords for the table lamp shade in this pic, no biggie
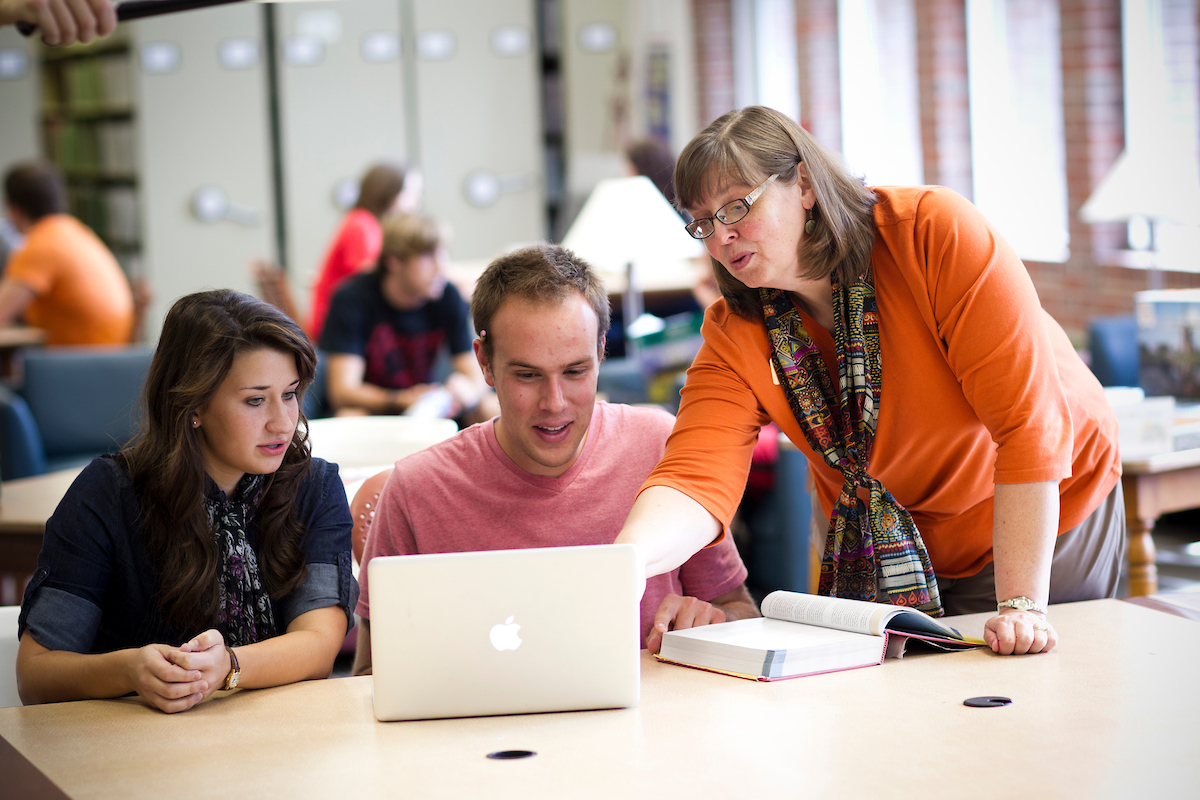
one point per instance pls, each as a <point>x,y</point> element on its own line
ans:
<point>1150,185</point>
<point>628,221</point>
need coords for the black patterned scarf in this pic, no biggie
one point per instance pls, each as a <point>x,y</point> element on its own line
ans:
<point>885,555</point>
<point>246,614</point>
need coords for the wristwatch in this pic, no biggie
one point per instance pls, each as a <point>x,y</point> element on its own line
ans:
<point>231,680</point>
<point>1021,604</point>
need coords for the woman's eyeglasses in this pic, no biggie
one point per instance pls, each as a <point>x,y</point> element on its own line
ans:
<point>731,212</point>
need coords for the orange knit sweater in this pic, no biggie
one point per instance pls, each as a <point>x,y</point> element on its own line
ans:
<point>980,386</point>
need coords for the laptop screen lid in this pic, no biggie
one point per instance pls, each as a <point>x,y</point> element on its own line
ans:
<point>505,631</point>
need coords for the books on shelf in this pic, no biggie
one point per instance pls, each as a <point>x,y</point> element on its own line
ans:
<point>122,226</point>
<point>102,149</point>
<point>74,147</point>
<point>115,140</point>
<point>803,634</point>
<point>99,83</point>
<point>81,81</point>
<point>116,81</point>
<point>51,90</point>
<point>110,211</point>
<point>88,107</point>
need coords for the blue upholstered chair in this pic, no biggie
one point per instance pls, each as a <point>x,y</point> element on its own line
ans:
<point>1113,344</point>
<point>781,546</point>
<point>21,453</point>
<point>74,404</point>
<point>316,399</point>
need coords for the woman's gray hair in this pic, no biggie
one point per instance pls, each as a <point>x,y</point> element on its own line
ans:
<point>748,146</point>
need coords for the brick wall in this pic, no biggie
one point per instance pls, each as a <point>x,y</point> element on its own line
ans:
<point>1091,283</point>
<point>945,106</point>
<point>1093,109</point>
<point>714,59</point>
<point>820,74</point>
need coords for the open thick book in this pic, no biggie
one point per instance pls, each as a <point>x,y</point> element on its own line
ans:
<point>804,634</point>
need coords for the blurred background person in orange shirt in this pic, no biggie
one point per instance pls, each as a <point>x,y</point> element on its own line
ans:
<point>64,279</point>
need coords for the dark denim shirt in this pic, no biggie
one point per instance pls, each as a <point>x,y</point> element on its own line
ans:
<point>96,589</point>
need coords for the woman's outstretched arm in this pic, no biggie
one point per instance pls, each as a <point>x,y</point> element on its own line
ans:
<point>668,528</point>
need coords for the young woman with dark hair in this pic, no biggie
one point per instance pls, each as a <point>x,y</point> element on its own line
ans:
<point>214,551</point>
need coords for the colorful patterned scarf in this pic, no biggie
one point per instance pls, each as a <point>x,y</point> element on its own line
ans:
<point>246,614</point>
<point>884,555</point>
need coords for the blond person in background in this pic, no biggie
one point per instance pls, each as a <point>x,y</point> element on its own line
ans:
<point>385,189</point>
<point>387,328</point>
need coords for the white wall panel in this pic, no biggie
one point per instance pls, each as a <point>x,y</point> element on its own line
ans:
<point>338,117</point>
<point>479,111</point>
<point>19,100</point>
<point>202,125</point>
<point>597,83</point>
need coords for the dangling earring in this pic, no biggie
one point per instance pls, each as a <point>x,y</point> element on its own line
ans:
<point>811,225</point>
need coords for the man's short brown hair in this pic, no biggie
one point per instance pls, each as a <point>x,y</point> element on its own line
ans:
<point>407,236</point>
<point>538,273</point>
<point>36,189</point>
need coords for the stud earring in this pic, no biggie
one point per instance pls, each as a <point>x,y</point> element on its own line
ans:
<point>195,423</point>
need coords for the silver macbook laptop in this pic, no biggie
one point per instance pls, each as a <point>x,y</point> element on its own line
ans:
<point>505,631</point>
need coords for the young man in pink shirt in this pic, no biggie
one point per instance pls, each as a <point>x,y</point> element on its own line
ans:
<point>556,468</point>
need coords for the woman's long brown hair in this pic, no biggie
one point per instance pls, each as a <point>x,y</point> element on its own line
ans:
<point>379,188</point>
<point>201,336</point>
<point>746,147</point>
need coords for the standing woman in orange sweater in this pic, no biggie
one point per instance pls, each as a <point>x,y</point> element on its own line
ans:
<point>966,457</point>
<point>384,189</point>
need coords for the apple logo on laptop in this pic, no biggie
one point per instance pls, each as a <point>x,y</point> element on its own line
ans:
<point>504,636</point>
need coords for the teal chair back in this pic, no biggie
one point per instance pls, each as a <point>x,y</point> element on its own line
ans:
<point>1113,345</point>
<point>84,400</point>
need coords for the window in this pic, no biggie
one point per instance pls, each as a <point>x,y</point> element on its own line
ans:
<point>764,45</point>
<point>1018,151</point>
<point>881,115</point>
<point>1161,126</point>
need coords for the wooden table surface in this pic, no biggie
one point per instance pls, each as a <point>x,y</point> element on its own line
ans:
<point>25,505</point>
<point>12,340</point>
<point>21,336</point>
<point>1112,712</point>
<point>1152,487</point>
